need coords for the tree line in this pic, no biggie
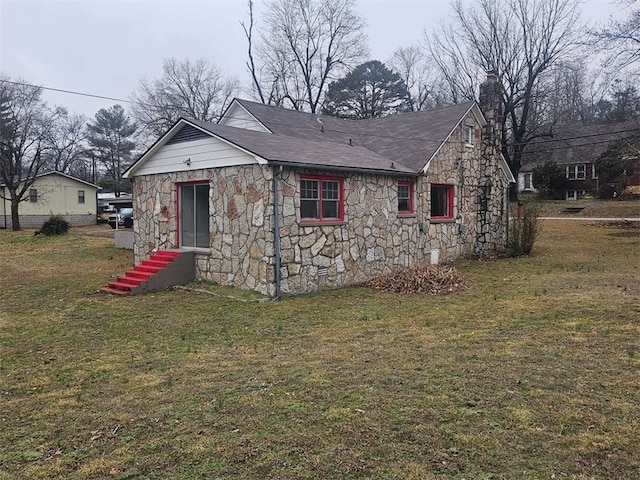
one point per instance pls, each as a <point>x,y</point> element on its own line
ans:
<point>312,55</point>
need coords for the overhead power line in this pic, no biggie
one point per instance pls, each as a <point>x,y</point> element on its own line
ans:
<point>329,130</point>
<point>71,92</point>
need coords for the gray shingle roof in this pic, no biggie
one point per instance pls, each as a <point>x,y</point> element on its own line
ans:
<point>579,143</point>
<point>279,148</point>
<point>409,139</point>
<point>399,144</point>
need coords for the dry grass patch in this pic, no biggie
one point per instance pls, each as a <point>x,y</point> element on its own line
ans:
<point>592,208</point>
<point>530,373</point>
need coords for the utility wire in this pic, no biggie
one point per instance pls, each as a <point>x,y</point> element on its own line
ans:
<point>71,92</point>
<point>331,130</point>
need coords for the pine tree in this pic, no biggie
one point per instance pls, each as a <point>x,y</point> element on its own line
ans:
<point>110,141</point>
<point>371,90</point>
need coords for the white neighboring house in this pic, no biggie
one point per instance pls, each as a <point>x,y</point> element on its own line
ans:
<point>53,193</point>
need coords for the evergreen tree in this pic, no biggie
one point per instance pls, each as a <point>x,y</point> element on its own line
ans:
<point>549,179</point>
<point>371,90</point>
<point>110,140</point>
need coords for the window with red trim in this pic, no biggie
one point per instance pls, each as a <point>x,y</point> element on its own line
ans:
<point>405,197</point>
<point>441,202</point>
<point>321,199</point>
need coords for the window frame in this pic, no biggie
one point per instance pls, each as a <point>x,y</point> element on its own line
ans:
<point>179,200</point>
<point>411,207</point>
<point>573,171</point>
<point>470,136</point>
<point>528,181</point>
<point>320,220</point>
<point>33,195</point>
<point>576,194</point>
<point>81,196</point>
<point>450,201</point>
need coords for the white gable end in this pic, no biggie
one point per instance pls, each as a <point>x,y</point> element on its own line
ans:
<point>238,117</point>
<point>194,155</point>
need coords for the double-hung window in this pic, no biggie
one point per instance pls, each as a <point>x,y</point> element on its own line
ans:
<point>33,195</point>
<point>470,136</point>
<point>405,198</point>
<point>80,196</point>
<point>441,202</point>
<point>321,199</point>
<point>576,172</point>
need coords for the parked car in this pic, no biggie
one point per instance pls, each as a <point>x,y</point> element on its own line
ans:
<point>124,218</point>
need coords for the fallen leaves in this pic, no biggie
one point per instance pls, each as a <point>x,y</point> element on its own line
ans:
<point>422,278</point>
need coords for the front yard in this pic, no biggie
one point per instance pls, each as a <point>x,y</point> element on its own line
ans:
<point>533,372</point>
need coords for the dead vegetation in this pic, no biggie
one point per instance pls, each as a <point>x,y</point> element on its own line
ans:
<point>422,278</point>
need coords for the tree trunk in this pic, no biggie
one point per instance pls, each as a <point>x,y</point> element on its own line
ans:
<point>15,217</point>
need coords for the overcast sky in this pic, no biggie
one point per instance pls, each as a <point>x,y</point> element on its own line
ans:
<point>104,47</point>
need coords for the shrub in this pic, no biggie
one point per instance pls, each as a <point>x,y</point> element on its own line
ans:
<point>524,228</point>
<point>56,225</point>
<point>549,179</point>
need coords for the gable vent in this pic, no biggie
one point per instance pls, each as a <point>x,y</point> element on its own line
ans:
<point>188,134</point>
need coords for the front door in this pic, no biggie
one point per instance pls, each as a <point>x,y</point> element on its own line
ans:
<point>194,215</point>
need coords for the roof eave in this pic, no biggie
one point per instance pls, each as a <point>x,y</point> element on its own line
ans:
<point>473,108</point>
<point>128,173</point>
<point>238,102</point>
<point>377,171</point>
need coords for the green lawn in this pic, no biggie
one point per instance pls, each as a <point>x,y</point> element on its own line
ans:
<point>533,372</point>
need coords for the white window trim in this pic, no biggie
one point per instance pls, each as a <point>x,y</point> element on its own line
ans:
<point>469,136</point>
<point>573,169</point>
<point>573,194</point>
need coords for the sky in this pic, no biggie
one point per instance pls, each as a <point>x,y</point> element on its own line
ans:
<point>104,47</point>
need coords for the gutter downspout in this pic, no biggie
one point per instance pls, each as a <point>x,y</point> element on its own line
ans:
<point>4,203</point>
<point>276,229</point>
<point>507,188</point>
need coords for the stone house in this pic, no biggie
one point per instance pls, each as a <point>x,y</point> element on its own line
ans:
<point>53,193</point>
<point>287,202</point>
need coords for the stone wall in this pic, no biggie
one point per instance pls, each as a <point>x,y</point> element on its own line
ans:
<point>479,218</point>
<point>372,239</point>
<point>240,223</point>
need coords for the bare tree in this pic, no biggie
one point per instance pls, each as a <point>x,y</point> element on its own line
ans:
<point>304,45</point>
<point>620,40</point>
<point>518,39</point>
<point>186,89</point>
<point>25,128</point>
<point>67,150</point>
<point>425,89</point>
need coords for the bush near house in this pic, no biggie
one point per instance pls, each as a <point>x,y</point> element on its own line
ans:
<point>56,225</point>
<point>524,227</point>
